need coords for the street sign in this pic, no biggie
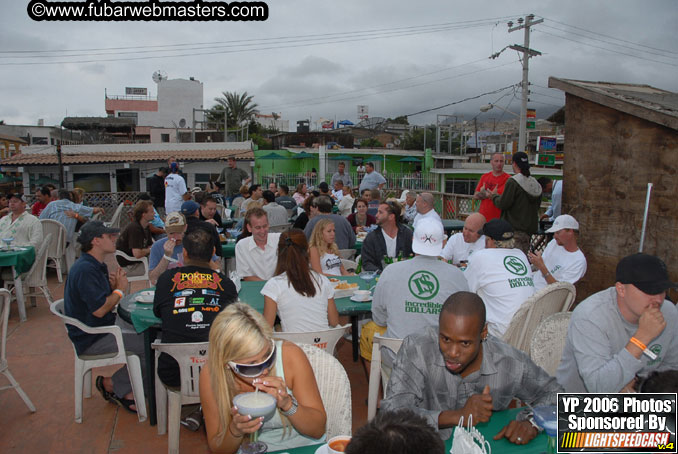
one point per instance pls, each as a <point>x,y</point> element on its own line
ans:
<point>548,160</point>
<point>530,124</point>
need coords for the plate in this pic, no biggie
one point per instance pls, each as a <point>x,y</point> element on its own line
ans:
<point>322,449</point>
<point>353,298</point>
<point>145,297</point>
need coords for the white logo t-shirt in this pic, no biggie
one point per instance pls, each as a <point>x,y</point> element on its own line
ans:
<point>563,265</point>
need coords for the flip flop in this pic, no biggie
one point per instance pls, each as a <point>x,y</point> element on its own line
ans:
<point>124,403</point>
<point>99,382</point>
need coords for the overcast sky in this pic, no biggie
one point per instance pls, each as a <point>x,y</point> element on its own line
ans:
<point>396,57</point>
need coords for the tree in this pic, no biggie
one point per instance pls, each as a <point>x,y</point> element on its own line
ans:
<point>240,107</point>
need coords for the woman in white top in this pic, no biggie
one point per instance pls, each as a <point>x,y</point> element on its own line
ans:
<point>323,250</point>
<point>302,298</point>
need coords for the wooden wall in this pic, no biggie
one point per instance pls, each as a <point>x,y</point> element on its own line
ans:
<point>610,157</point>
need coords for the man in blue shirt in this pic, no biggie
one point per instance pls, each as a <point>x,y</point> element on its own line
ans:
<point>90,296</point>
<point>67,212</point>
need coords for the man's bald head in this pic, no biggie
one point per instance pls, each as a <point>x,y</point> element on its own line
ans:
<point>465,304</point>
<point>472,227</point>
<point>425,202</point>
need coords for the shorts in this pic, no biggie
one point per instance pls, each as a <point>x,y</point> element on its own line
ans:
<point>366,335</point>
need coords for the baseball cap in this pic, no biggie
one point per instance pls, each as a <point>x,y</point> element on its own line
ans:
<point>498,230</point>
<point>428,237</point>
<point>16,195</point>
<point>564,221</point>
<point>646,272</point>
<point>189,207</point>
<point>175,222</point>
<point>94,229</point>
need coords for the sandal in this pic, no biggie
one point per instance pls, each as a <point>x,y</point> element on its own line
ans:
<point>124,403</point>
<point>193,421</point>
<point>99,382</point>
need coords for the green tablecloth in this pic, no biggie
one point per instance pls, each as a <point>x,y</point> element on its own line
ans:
<point>21,260</point>
<point>489,429</point>
<point>142,316</point>
<point>451,225</point>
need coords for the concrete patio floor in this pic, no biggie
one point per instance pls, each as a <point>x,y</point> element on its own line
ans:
<point>40,357</point>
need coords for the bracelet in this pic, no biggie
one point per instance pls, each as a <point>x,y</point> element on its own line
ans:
<point>293,409</point>
<point>638,343</point>
<point>233,433</point>
<point>119,292</point>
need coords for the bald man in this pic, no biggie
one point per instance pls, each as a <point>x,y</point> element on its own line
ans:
<point>457,370</point>
<point>425,203</point>
<point>461,245</point>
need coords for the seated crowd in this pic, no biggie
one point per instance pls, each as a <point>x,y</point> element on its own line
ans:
<point>450,301</point>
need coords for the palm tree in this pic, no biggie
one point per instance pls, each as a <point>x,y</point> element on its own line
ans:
<point>239,106</point>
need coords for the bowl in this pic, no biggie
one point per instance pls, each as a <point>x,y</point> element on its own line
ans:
<point>255,404</point>
<point>362,295</point>
<point>337,445</point>
<point>368,275</point>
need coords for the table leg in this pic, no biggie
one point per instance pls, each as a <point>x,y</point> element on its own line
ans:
<point>149,336</point>
<point>19,289</point>
<point>355,338</point>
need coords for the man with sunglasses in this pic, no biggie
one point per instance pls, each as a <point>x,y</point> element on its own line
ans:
<point>461,245</point>
<point>391,239</point>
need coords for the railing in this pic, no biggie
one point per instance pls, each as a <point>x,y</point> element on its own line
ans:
<point>418,182</point>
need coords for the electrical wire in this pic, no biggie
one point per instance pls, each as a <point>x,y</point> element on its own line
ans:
<point>462,100</point>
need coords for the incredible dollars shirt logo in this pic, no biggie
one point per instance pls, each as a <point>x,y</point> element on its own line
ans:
<point>196,280</point>
<point>423,285</point>
<point>516,266</point>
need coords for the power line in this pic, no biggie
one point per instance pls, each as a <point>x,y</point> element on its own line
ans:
<point>462,100</point>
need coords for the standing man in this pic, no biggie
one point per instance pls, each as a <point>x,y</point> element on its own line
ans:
<point>500,275</point>
<point>340,175</point>
<point>488,182</point>
<point>175,190</point>
<point>624,332</point>
<point>91,295</point>
<point>461,245</point>
<point>233,178</point>
<point>25,228</point>
<point>457,370</point>
<point>553,211</point>
<point>156,188</point>
<point>373,179</point>
<point>425,209</point>
<point>43,197</point>
<point>391,239</point>
<point>136,240</point>
<point>257,256</point>
<point>562,260</point>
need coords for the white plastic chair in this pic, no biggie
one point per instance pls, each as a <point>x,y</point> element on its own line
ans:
<point>117,216</point>
<point>349,265</point>
<point>85,363</point>
<point>36,277</point>
<point>57,247</point>
<point>141,277</point>
<point>4,368</point>
<point>335,390</point>
<point>553,298</point>
<point>324,340</point>
<point>375,371</point>
<point>191,357</point>
<point>347,254</point>
<point>548,341</point>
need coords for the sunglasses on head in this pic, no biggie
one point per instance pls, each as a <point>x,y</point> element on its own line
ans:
<point>254,370</point>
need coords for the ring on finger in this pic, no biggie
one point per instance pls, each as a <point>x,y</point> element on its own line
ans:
<point>520,439</point>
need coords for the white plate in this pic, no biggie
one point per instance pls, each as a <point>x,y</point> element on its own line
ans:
<point>322,449</point>
<point>353,298</point>
<point>145,297</point>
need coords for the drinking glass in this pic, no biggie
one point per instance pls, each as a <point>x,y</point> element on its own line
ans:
<point>546,417</point>
<point>8,242</point>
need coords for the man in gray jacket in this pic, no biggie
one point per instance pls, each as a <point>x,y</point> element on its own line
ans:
<point>344,235</point>
<point>391,239</point>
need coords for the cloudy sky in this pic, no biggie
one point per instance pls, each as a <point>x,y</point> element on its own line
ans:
<point>322,59</point>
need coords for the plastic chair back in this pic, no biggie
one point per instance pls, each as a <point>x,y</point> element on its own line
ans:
<point>57,247</point>
<point>548,341</point>
<point>117,216</point>
<point>325,340</point>
<point>375,371</point>
<point>141,277</point>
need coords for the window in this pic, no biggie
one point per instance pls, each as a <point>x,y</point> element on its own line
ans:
<point>164,138</point>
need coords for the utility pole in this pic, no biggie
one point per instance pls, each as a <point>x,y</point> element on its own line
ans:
<point>527,53</point>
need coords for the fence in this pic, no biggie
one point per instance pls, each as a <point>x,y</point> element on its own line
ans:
<point>415,181</point>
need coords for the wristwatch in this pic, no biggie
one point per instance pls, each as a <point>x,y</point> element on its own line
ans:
<point>528,415</point>
<point>293,409</point>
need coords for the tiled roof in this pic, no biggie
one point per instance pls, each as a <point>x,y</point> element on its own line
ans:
<point>23,159</point>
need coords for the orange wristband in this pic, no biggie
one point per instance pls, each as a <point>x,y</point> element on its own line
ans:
<point>638,343</point>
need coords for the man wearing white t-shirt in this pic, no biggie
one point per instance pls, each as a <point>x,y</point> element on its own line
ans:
<point>562,260</point>
<point>461,245</point>
<point>175,190</point>
<point>257,256</point>
<point>425,208</point>
<point>500,275</point>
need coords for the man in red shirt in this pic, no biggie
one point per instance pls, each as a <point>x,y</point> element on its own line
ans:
<point>495,179</point>
<point>42,196</point>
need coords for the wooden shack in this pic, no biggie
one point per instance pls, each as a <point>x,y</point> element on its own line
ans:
<point>619,138</point>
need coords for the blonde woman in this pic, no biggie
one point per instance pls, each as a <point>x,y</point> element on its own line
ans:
<point>323,251</point>
<point>244,357</point>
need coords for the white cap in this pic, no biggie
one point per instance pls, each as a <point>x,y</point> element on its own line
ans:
<point>428,237</point>
<point>564,221</point>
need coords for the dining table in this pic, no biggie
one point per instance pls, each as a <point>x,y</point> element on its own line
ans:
<point>141,316</point>
<point>488,429</point>
<point>19,259</point>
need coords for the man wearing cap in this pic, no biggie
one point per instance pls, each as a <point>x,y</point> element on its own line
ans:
<point>562,260</point>
<point>191,211</point>
<point>519,204</point>
<point>167,253</point>
<point>500,274</point>
<point>25,228</point>
<point>488,182</point>
<point>175,189</point>
<point>91,295</point>
<point>233,178</point>
<point>257,256</point>
<point>409,294</point>
<point>461,245</point>
<point>390,239</point>
<point>626,331</point>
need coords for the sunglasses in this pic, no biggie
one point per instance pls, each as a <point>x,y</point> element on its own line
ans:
<point>254,370</point>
